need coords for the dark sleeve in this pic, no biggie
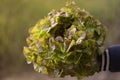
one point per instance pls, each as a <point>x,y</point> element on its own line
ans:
<point>114,53</point>
<point>100,61</point>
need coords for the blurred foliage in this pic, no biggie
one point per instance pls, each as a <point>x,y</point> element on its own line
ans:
<point>17,16</point>
<point>66,42</point>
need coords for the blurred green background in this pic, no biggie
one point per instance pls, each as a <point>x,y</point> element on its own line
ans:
<point>17,16</point>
